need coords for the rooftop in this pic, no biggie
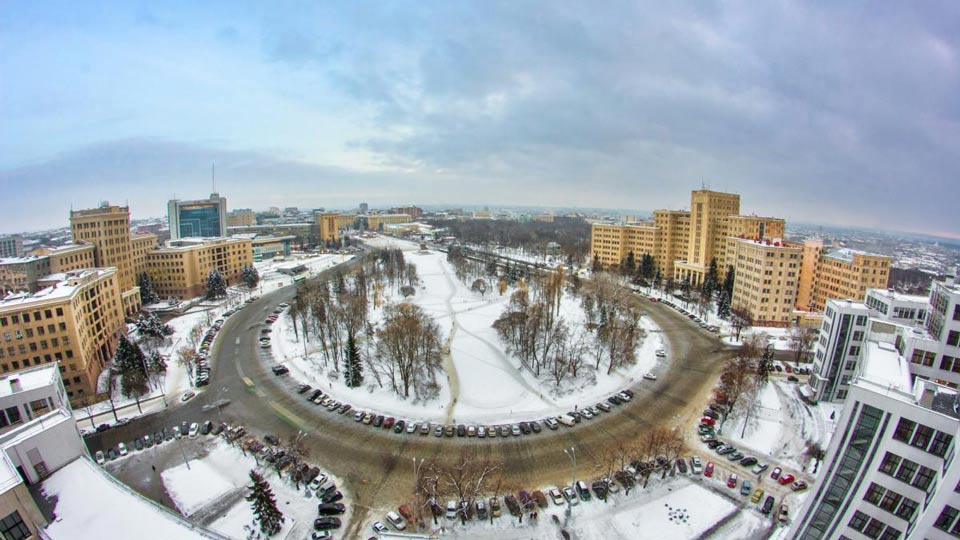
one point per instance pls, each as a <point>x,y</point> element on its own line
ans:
<point>898,296</point>
<point>847,254</point>
<point>66,284</point>
<point>29,379</point>
<point>883,366</point>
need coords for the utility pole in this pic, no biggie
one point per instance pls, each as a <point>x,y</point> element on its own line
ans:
<point>572,454</point>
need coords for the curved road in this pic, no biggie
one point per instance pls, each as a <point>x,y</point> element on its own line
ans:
<point>377,464</point>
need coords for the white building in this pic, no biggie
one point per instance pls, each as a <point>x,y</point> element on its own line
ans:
<point>889,471</point>
<point>898,307</point>
<point>837,352</point>
<point>29,393</point>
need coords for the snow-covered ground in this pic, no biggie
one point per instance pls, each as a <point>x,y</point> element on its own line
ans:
<point>485,384</point>
<point>218,481</point>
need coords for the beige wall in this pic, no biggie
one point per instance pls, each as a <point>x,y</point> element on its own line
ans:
<point>19,499</point>
<point>346,221</point>
<point>328,225</point>
<point>706,207</point>
<point>767,277</point>
<point>140,246</point>
<point>181,272</point>
<point>374,221</point>
<point>808,273</point>
<point>108,229</point>
<point>79,330</point>
<point>241,218</point>
<point>837,277</point>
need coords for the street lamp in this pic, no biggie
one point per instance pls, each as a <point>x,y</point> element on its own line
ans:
<point>218,405</point>
<point>572,454</point>
<point>416,489</point>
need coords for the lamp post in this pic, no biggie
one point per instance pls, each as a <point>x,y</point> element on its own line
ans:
<point>416,488</point>
<point>217,404</point>
<point>572,454</point>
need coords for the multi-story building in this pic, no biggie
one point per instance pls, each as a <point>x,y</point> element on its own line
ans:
<point>74,320</point>
<point>845,273</point>
<point>908,309</point>
<point>108,229</point>
<point>24,273</point>
<point>890,470</point>
<point>767,273</point>
<point>241,217</point>
<point>415,212</point>
<point>837,353</point>
<point>303,232</point>
<point>205,218</point>
<point>180,268</point>
<point>140,247</point>
<point>374,222</point>
<point>11,246</point>
<point>29,393</point>
<point>327,226</point>
<point>364,207</point>
<point>346,221</point>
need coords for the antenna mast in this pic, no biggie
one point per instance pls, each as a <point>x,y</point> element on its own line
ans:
<point>213,176</point>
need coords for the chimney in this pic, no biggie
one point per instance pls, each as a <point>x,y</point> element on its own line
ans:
<point>15,385</point>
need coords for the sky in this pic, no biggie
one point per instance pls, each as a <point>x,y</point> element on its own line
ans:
<point>843,113</point>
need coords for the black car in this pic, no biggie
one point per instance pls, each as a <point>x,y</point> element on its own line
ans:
<point>615,400</point>
<point>767,504</point>
<point>315,394</point>
<point>399,426</point>
<point>682,465</point>
<point>535,426</point>
<point>207,428</point>
<point>303,388</point>
<point>332,497</point>
<point>748,461</point>
<point>158,437</point>
<point>184,429</point>
<point>628,392</point>
<point>461,430</point>
<point>280,370</point>
<point>525,428</point>
<point>272,439</point>
<point>112,454</point>
<point>599,489</point>
<point>330,509</point>
<point>713,444</point>
<point>324,523</point>
<point>378,421</point>
<point>218,429</point>
<point>103,427</point>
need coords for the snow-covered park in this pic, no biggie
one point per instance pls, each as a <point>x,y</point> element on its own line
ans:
<point>482,381</point>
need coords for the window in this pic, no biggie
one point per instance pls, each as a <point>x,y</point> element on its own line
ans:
<point>904,430</point>
<point>861,320</point>
<point>890,463</point>
<point>941,442</point>
<point>907,509</point>
<point>946,518</point>
<point>858,335</point>
<point>890,534</point>
<point>922,436</point>
<point>850,365</point>
<point>873,528</point>
<point>891,500</point>
<point>907,470</point>
<point>924,478</point>
<point>12,527</point>
<point>874,494</point>
<point>854,350</point>
<point>953,338</point>
<point>859,521</point>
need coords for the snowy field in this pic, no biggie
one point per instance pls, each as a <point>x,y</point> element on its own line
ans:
<point>484,383</point>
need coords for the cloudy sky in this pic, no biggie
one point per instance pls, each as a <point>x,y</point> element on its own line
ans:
<point>835,112</point>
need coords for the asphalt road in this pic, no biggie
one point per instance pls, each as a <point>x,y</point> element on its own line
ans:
<point>377,464</point>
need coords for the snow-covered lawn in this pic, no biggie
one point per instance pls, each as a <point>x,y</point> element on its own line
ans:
<point>206,479</point>
<point>764,427</point>
<point>485,384</point>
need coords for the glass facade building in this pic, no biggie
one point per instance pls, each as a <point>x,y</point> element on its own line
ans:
<point>205,218</point>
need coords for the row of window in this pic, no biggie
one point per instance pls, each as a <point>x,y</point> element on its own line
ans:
<point>29,332</point>
<point>923,437</point>
<point>873,528</point>
<point>908,471</point>
<point>25,316</point>
<point>891,501</point>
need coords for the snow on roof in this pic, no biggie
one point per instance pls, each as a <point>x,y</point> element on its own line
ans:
<point>898,296</point>
<point>89,504</point>
<point>34,427</point>
<point>66,284</point>
<point>29,379</point>
<point>883,365</point>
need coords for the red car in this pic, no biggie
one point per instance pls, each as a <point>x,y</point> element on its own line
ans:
<point>388,422</point>
<point>732,481</point>
<point>708,421</point>
<point>709,470</point>
<point>786,479</point>
<point>775,473</point>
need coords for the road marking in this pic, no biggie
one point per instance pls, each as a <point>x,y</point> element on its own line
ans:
<point>287,415</point>
<point>248,382</point>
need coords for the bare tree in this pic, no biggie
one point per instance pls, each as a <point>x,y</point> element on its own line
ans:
<point>738,387</point>
<point>409,343</point>
<point>741,319</point>
<point>801,339</point>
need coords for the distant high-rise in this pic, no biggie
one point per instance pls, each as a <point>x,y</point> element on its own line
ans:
<point>364,208</point>
<point>108,229</point>
<point>198,219</point>
<point>11,246</point>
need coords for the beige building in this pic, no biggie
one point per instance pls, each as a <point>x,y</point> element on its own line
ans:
<point>346,221</point>
<point>767,276</point>
<point>24,273</point>
<point>846,273</point>
<point>73,320</point>
<point>242,217</point>
<point>11,246</point>
<point>327,224</point>
<point>374,221</point>
<point>140,247</point>
<point>180,268</point>
<point>108,229</point>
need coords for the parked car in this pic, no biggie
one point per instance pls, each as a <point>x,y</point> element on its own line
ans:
<point>748,461</point>
<point>101,459</point>
<point>732,480</point>
<point>799,485</point>
<point>540,498</point>
<point>784,513</point>
<point>329,509</point>
<point>746,487</point>
<point>599,488</point>
<point>332,497</point>
<point>759,468</point>
<point>786,479</point>
<point>571,496</point>
<point>551,423</point>
<point>122,449</point>
<point>396,520</point>
<point>512,504</point>
<point>451,509</point>
<point>775,473</point>
<point>767,504</point>
<point>324,523</point>
<point>582,490</point>
<point>556,496</point>
<point>185,397</point>
<point>708,472</point>
<point>696,466</point>
<point>682,465</point>
<point>757,495</point>
<point>495,507</point>
<point>481,507</point>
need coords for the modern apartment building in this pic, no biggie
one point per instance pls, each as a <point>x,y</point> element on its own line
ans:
<point>11,246</point>
<point>108,229</point>
<point>74,320</point>
<point>767,274</point>
<point>205,218</point>
<point>889,471</point>
<point>180,268</point>
<point>241,217</point>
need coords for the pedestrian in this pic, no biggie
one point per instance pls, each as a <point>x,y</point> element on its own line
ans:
<point>154,467</point>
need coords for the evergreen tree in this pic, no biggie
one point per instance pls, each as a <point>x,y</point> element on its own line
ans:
<point>147,294</point>
<point>647,266</point>
<point>657,278</point>
<point>250,276</point>
<point>596,264</point>
<point>264,505</point>
<point>629,265</point>
<point>728,281</point>
<point>723,305</point>
<point>216,284</point>
<point>156,363</point>
<point>710,281</point>
<point>151,326</point>
<point>352,364</point>
<point>130,363</point>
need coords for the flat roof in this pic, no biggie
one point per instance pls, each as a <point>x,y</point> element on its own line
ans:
<point>883,365</point>
<point>89,504</point>
<point>61,289</point>
<point>29,379</point>
<point>898,296</point>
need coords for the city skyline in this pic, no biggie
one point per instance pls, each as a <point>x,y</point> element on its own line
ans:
<point>819,113</point>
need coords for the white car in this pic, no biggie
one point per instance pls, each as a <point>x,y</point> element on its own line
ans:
<point>318,482</point>
<point>122,448</point>
<point>661,353</point>
<point>650,376</point>
<point>186,396</point>
<point>194,430</point>
<point>398,522</point>
<point>696,465</point>
<point>451,509</point>
<point>100,459</point>
<point>379,527</point>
